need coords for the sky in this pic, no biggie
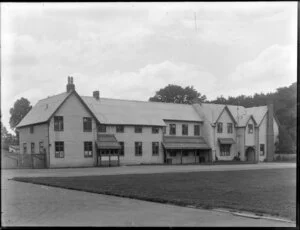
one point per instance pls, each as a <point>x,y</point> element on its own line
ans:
<point>131,50</point>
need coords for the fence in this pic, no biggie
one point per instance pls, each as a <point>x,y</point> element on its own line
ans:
<point>23,161</point>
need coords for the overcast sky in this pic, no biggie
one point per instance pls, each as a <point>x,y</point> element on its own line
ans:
<point>131,50</point>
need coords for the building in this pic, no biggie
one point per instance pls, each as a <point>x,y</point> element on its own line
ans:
<point>81,131</point>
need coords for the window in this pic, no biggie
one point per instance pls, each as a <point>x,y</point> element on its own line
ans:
<point>24,148</point>
<point>32,148</point>
<point>102,128</point>
<point>59,149</point>
<point>138,148</point>
<point>173,153</point>
<point>220,127</point>
<point>87,124</point>
<point>155,129</point>
<point>31,129</point>
<point>185,129</point>
<point>41,146</point>
<point>120,129</point>
<point>185,153</point>
<point>122,148</point>
<point>58,123</point>
<point>155,148</point>
<point>262,149</point>
<point>225,150</point>
<point>172,129</point>
<point>138,129</point>
<point>250,128</point>
<point>88,149</point>
<point>229,128</point>
<point>196,130</point>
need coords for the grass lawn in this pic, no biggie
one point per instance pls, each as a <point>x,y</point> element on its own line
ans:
<point>269,191</point>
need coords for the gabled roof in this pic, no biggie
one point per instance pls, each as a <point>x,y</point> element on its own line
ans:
<point>129,112</point>
<point>227,109</point>
<point>42,111</point>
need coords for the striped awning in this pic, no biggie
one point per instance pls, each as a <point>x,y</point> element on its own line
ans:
<point>226,141</point>
<point>107,141</point>
<point>184,143</point>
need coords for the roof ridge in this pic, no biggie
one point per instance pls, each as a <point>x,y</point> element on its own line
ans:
<point>53,96</point>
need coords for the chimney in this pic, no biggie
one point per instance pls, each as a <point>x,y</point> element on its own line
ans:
<point>270,133</point>
<point>70,85</point>
<point>96,94</point>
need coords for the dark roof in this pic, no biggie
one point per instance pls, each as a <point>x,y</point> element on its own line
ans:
<point>226,141</point>
<point>107,141</point>
<point>178,142</point>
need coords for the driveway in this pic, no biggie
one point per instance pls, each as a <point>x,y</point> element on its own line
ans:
<point>25,204</point>
<point>139,169</point>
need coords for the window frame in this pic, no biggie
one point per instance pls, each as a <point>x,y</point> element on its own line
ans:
<point>225,150</point>
<point>172,127</point>
<point>24,148</point>
<point>138,146</point>
<point>220,127</point>
<point>41,150</point>
<point>195,134</point>
<point>101,128</point>
<point>32,147</point>
<point>61,152</point>
<point>261,152</point>
<point>138,129</point>
<point>155,129</point>
<point>118,130</point>
<point>88,149</point>
<point>185,129</point>
<point>58,123</point>
<point>155,148</point>
<point>250,131</point>
<point>229,127</point>
<point>85,123</point>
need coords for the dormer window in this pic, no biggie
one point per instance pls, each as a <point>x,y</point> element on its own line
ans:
<point>250,128</point>
<point>229,128</point>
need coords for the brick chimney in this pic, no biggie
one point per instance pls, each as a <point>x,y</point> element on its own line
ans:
<point>70,85</point>
<point>270,133</point>
<point>96,94</point>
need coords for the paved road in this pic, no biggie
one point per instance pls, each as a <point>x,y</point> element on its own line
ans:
<point>25,204</point>
<point>8,173</point>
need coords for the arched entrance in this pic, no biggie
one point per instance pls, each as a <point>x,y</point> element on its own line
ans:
<point>250,154</point>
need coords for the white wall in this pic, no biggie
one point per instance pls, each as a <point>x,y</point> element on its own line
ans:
<point>73,136</point>
<point>129,137</point>
<point>179,128</point>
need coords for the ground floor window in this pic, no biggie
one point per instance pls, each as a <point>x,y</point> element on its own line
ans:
<point>138,148</point>
<point>122,148</point>
<point>32,148</point>
<point>24,148</point>
<point>88,149</point>
<point>155,148</point>
<point>41,146</point>
<point>185,153</point>
<point>172,153</point>
<point>262,149</point>
<point>225,150</point>
<point>59,149</point>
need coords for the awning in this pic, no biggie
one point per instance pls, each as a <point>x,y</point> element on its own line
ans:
<point>107,141</point>
<point>226,141</point>
<point>184,143</point>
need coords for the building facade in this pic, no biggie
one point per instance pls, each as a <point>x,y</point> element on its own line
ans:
<point>81,131</point>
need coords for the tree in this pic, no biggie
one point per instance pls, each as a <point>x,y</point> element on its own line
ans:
<point>178,94</point>
<point>18,112</point>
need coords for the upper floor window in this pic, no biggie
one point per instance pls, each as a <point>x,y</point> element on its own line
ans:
<point>88,149</point>
<point>138,148</point>
<point>41,146</point>
<point>138,129</point>
<point>172,129</point>
<point>120,128</point>
<point>262,149</point>
<point>102,128</point>
<point>32,148</point>
<point>250,128</point>
<point>155,129</point>
<point>196,130</point>
<point>224,150</point>
<point>122,148</point>
<point>59,149</point>
<point>220,127</point>
<point>24,148</point>
<point>155,148</point>
<point>31,129</point>
<point>58,123</point>
<point>185,129</point>
<point>87,124</point>
<point>229,128</point>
